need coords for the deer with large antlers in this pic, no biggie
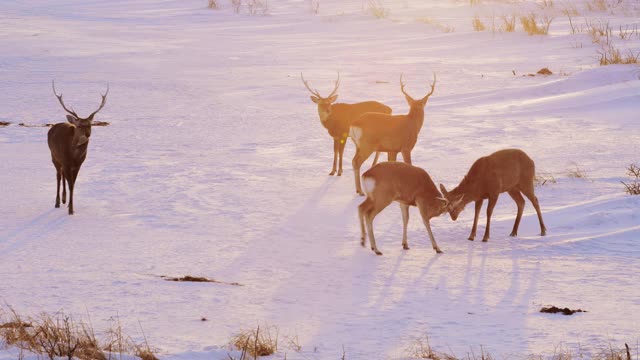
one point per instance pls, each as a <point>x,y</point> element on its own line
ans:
<point>68,144</point>
<point>337,118</point>
<point>408,185</point>
<point>389,133</point>
<point>509,170</point>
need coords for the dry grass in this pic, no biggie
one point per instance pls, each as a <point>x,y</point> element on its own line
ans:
<point>213,4</point>
<point>236,5</point>
<point>533,26</point>
<point>576,172</point>
<point>377,9</point>
<point>597,5</point>
<point>477,24</point>
<point>258,7</point>
<point>544,178</point>
<point>442,27</point>
<point>508,23</point>
<point>633,187</point>
<point>59,335</point>
<point>256,342</point>
<point>609,55</point>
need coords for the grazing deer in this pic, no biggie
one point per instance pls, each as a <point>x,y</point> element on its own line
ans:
<point>389,133</point>
<point>337,118</point>
<point>68,144</point>
<point>410,186</point>
<point>509,170</point>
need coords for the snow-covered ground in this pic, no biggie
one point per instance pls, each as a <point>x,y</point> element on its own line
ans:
<point>216,165</point>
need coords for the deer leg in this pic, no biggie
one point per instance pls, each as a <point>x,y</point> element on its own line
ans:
<point>361,156</point>
<point>369,216</point>
<point>71,182</point>
<point>375,159</point>
<point>392,156</point>
<point>517,197</point>
<point>342,144</point>
<point>363,209</point>
<point>406,156</point>
<point>472,236</point>
<point>528,192</point>
<point>58,178</point>
<point>422,206</point>
<point>493,199</point>
<point>64,187</point>
<point>405,220</point>
<point>335,156</point>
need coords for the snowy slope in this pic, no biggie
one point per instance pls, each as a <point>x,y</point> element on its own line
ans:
<point>215,165</point>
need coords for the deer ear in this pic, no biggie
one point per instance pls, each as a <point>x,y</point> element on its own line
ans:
<point>333,98</point>
<point>72,119</point>
<point>315,99</point>
<point>443,190</point>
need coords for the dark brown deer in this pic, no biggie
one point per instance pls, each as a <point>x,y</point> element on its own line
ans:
<point>337,118</point>
<point>509,170</point>
<point>68,144</point>
<point>409,186</point>
<point>388,133</point>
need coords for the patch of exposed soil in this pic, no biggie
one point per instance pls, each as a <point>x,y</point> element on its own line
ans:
<point>4,123</point>
<point>189,278</point>
<point>554,310</point>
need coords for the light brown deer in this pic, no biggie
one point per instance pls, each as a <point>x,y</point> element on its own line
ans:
<point>68,144</point>
<point>509,170</point>
<point>337,118</point>
<point>389,133</point>
<point>408,185</point>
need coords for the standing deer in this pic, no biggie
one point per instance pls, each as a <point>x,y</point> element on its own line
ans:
<point>68,144</point>
<point>337,118</point>
<point>390,133</point>
<point>509,170</point>
<point>410,186</point>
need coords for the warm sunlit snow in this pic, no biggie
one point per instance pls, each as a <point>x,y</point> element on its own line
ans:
<point>216,165</point>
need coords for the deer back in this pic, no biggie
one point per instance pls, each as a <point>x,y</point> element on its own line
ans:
<point>342,115</point>
<point>496,173</point>
<point>400,182</point>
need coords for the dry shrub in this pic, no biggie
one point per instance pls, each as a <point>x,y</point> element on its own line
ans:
<point>258,7</point>
<point>256,342</point>
<point>531,25</point>
<point>576,172</point>
<point>213,4</point>
<point>633,187</point>
<point>477,24</point>
<point>236,5</point>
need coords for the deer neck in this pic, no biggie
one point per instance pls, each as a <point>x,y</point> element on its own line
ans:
<point>79,142</point>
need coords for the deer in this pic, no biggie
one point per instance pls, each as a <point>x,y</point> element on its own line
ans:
<point>68,144</point>
<point>406,184</point>
<point>337,118</point>
<point>388,133</point>
<point>508,170</point>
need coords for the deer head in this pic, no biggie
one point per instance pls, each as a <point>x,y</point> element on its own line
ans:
<point>455,205</point>
<point>420,103</point>
<point>83,125</point>
<point>324,103</point>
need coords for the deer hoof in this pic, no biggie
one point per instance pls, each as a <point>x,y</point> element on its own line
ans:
<point>544,232</point>
<point>332,173</point>
<point>360,193</point>
<point>485,240</point>
<point>471,238</point>
<point>378,252</point>
<point>513,234</point>
<point>362,242</point>
<point>438,251</point>
<point>406,247</point>
<point>57,205</point>
<point>339,173</point>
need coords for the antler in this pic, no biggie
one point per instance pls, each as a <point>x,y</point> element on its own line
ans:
<point>316,93</point>
<point>433,85</point>
<point>335,89</point>
<point>104,101</point>
<point>53,86</point>
<point>402,87</point>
